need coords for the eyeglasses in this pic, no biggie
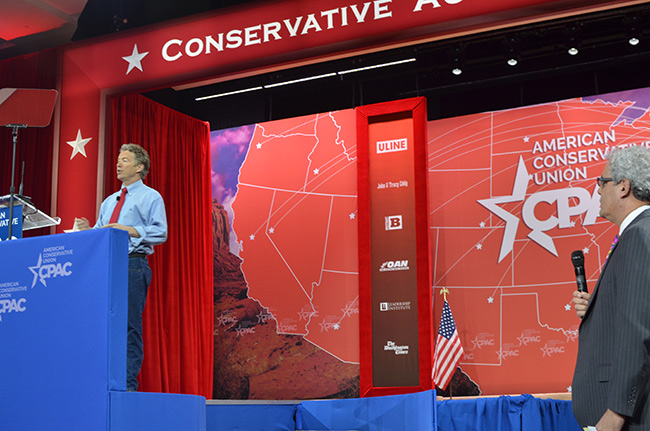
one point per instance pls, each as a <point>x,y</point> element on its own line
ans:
<point>602,180</point>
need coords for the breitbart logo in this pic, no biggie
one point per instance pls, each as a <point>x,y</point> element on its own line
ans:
<point>394,265</point>
<point>392,146</point>
<point>393,222</point>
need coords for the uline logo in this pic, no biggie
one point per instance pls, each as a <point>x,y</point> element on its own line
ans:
<point>42,272</point>
<point>393,222</point>
<point>394,265</point>
<point>392,146</point>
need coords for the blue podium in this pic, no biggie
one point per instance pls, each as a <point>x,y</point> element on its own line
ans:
<point>63,308</point>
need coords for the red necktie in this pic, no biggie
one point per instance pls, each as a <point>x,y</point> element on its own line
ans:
<point>118,207</point>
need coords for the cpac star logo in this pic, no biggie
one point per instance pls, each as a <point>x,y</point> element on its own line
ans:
<point>41,272</point>
<point>585,204</point>
<point>35,270</point>
<point>135,59</point>
<point>78,145</point>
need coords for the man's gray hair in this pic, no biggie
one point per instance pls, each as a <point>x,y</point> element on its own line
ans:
<point>141,157</point>
<point>632,163</point>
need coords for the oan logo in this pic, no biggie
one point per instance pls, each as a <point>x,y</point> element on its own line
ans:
<point>42,272</point>
<point>394,265</point>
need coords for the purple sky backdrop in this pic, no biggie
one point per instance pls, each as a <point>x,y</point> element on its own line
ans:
<point>228,149</point>
<point>640,97</point>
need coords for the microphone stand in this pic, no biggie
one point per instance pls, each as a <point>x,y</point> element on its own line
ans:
<point>12,189</point>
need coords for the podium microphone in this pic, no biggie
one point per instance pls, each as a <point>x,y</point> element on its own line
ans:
<point>578,261</point>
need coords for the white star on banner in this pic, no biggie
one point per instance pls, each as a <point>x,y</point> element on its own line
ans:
<point>259,146</point>
<point>252,237</point>
<point>352,216</point>
<point>482,224</point>
<point>567,307</point>
<point>479,246</point>
<point>78,145</point>
<point>135,59</point>
<point>316,171</point>
<point>585,250</point>
<point>490,300</point>
<point>271,230</point>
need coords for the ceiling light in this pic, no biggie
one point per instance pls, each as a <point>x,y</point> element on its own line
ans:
<point>511,50</point>
<point>230,93</point>
<point>376,66</point>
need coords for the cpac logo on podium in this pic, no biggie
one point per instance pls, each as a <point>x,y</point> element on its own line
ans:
<point>585,203</point>
<point>44,271</point>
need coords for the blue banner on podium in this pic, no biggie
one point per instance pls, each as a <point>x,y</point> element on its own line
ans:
<point>63,312</point>
<point>17,229</point>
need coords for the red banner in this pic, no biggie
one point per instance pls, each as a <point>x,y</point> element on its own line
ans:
<point>394,283</point>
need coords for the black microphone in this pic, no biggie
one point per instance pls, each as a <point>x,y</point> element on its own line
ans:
<point>578,261</point>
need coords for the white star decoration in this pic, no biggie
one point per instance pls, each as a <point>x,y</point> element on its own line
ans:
<point>526,139</point>
<point>479,246</point>
<point>259,146</point>
<point>271,230</point>
<point>585,250</point>
<point>135,59</point>
<point>490,300</point>
<point>567,307</point>
<point>482,224</point>
<point>336,326</point>
<point>316,171</point>
<point>252,237</point>
<point>352,216</point>
<point>78,145</point>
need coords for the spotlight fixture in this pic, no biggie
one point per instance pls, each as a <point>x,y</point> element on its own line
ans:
<point>632,25</point>
<point>511,50</point>
<point>573,37</point>
<point>457,56</point>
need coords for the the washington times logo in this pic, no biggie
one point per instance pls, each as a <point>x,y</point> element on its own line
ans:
<point>392,146</point>
<point>393,222</point>
<point>43,271</point>
<point>399,350</point>
<point>394,265</point>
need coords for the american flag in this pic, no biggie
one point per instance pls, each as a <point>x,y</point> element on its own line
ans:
<point>448,349</point>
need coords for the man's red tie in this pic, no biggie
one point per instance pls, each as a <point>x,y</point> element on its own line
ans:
<point>118,207</point>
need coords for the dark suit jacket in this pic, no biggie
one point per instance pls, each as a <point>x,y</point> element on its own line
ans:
<point>613,365</point>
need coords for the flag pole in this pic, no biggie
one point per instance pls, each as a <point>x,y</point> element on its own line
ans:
<point>444,292</point>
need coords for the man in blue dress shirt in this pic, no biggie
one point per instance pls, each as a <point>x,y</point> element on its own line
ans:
<point>141,212</point>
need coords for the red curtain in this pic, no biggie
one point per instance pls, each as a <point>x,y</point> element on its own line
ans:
<point>35,145</point>
<point>178,316</point>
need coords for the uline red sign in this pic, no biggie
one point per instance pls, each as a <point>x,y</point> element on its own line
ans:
<point>392,146</point>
